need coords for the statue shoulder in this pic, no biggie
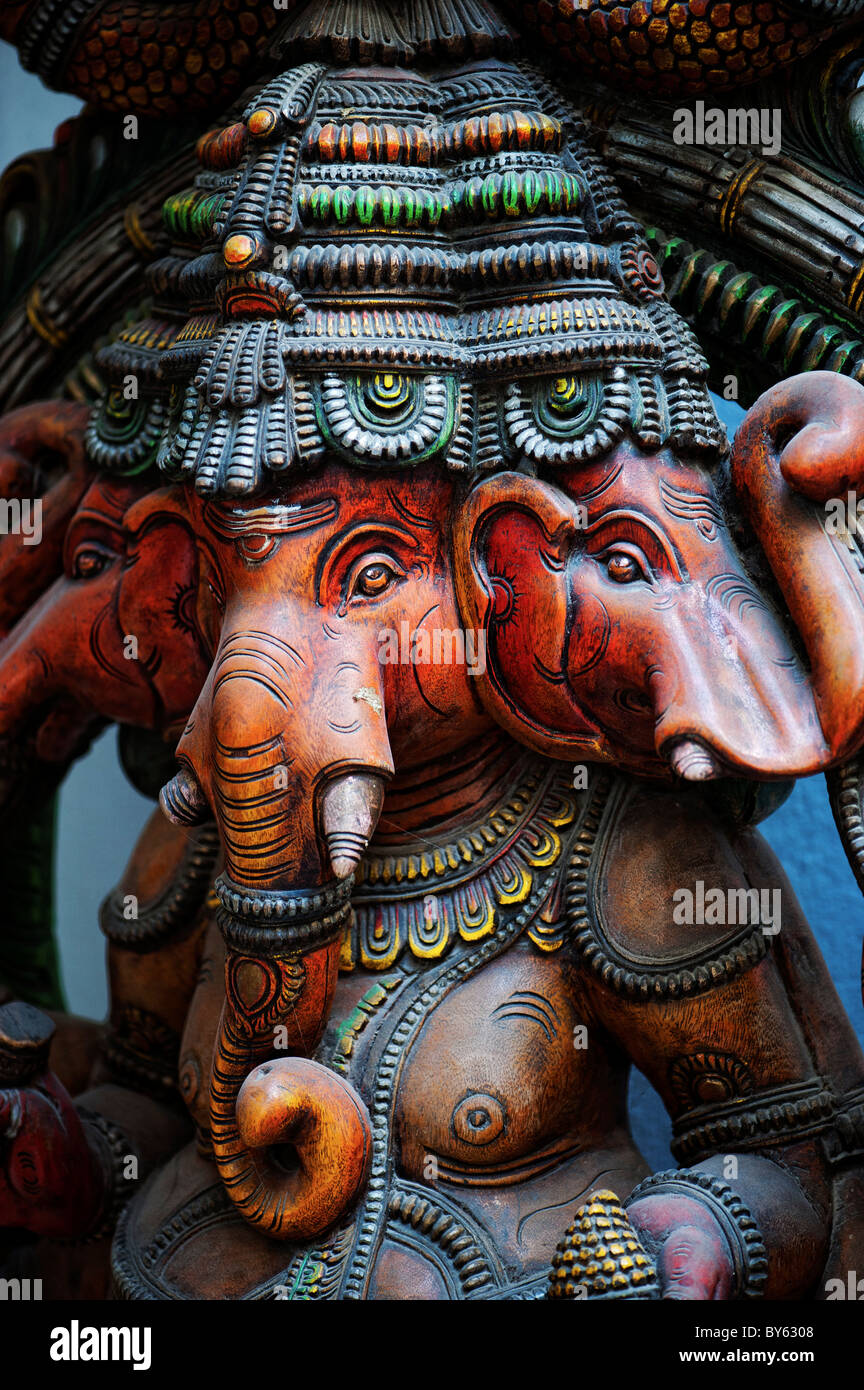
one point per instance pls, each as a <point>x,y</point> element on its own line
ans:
<point>666,905</point>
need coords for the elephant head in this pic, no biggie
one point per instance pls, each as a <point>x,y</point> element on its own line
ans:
<point>42,465</point>
<point>798,467</point>
<point>318,605</point>
<point>622,626</point>
<point>115,636</point>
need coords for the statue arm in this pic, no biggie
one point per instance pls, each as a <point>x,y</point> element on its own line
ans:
<point>739,1028</point>
<point>133,1116</point>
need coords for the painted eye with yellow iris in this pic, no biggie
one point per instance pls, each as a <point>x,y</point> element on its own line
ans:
<point>387,416</point>
<point>568,418</point>
<point>386,398</point>
<point>567,405</point>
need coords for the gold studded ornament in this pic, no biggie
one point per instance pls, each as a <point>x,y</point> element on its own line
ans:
<point>601,1256</point>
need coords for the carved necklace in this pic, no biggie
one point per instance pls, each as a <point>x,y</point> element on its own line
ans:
<point>450,888</point>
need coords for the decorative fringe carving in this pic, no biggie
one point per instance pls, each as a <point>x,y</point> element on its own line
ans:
<point>457,28</point>
<point>275,122</point>
<point>237,419</point>
<point>397,34</point>
<point>349,31</point>
<point>243,365</point>
<point>370,198</point>
<point>488,454</point>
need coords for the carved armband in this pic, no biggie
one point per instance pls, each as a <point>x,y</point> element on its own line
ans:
<point>784,1115</point>
<point>174,909</point>
<point>271,922</point>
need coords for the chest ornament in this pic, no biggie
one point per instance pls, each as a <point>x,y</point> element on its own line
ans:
<point>420,902</point>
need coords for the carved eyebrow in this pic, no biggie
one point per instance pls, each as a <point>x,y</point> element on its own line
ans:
<point>605,483</point>
<point>102,505</point>
<point>93,525</point>
<point>426,522</point>
<point>693,506</point>
<point>90,516</point>
<point>629,524</point>
<point>274,519</point>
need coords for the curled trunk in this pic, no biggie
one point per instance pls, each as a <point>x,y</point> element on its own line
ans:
<point>290,1138</point>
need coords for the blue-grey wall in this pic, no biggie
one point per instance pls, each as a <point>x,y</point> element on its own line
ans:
<point>100,815</point>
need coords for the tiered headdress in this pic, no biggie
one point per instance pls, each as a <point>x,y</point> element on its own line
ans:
<point>396,266</point>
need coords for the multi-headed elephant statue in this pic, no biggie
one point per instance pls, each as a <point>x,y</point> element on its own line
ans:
<point>459,506</point>
<point>115,637</point>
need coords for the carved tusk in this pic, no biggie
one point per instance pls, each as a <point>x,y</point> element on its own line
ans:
<point>350,810</point>
<point>183,801</point>
<point>693,762</point>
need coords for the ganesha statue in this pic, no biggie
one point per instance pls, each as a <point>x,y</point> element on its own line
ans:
<point>464,660</point>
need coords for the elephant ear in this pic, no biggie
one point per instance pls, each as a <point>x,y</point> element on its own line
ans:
<point>162,563</point>
<point>513,543</point>
<point>798,469</point>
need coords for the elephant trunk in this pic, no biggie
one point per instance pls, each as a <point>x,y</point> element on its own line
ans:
<point>800,446</point>
<point>738,703</point>
<point>279,982</point>
<point>27,676</point>
<point>297,801</point>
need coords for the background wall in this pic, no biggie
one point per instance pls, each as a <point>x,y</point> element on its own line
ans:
<point>100,814</point>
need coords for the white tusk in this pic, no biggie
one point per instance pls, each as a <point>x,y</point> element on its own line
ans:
<point>693,762</point>
<point>351,806</point>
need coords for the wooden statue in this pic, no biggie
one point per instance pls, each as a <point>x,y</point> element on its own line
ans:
<point>415,556</point>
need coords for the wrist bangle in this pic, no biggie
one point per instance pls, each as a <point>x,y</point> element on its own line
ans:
<point>749,1255</point>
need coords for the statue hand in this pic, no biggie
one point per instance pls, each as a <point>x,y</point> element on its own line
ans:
<point>687,1244</point>
<point>51,1181</point>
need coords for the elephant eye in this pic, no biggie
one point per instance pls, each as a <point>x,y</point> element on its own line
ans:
<point>623,567</point>
<point>374,576</point>
<point>257,547</point>
<point>90,560</point>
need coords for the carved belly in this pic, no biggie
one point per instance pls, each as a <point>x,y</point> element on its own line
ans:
<point>502,1082</point>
